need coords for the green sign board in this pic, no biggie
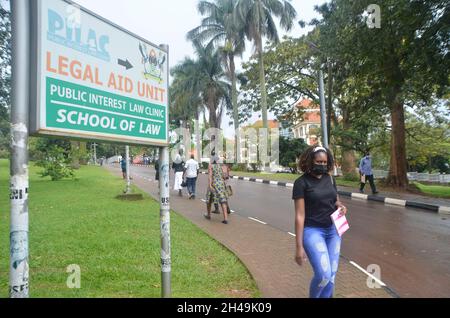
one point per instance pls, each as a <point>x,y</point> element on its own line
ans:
<point>93,80</point>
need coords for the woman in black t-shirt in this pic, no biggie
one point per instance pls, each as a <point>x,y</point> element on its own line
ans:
<point>315,196</point>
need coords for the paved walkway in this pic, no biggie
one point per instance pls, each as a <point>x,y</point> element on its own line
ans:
<point>268,253</point>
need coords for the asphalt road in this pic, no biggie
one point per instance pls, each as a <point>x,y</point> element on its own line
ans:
<point>410,247</point>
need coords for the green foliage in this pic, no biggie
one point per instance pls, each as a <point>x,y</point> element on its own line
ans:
<point>290,150</point>
<point>54,155</point>
<point>56,164</point>
<point>351,177</point>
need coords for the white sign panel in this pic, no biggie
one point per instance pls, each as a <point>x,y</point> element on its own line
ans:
<point>95,80</point>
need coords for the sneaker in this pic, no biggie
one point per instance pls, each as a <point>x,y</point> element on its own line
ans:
<point>375,192</point>
<point>208,217</point>
<point>225,222</point>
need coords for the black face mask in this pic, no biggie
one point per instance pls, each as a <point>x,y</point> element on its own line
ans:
<point>320,169</point>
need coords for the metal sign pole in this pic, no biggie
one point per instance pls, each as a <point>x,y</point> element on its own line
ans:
<point>165,221</point>
<point>18,269</point>
<point>127,162</point>
<point>164,215</point>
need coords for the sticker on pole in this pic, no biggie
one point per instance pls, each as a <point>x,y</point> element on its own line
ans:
<point>94,80</point>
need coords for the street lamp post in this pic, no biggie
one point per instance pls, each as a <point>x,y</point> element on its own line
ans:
<point>323,112</point>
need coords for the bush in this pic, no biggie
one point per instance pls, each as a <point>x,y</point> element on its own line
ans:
<point>351,177</point>
<point>239,167</point>
<point>56,164</point>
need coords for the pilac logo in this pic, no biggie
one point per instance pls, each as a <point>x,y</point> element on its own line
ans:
<point>153,63</point>
<point>67,30</point>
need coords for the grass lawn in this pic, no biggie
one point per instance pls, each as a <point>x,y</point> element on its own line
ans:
<point>435,190</point>
<point>115,243</point>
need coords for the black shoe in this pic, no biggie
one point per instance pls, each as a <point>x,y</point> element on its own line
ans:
<point>225,222</point>
<point>375,192</point>
<point>361,191</point>
<point>193,197</point>
<point>216,212</point>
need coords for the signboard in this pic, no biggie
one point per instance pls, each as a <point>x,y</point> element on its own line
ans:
<point>94,80</point>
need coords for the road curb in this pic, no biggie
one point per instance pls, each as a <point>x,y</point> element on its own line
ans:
<point>405,203</point>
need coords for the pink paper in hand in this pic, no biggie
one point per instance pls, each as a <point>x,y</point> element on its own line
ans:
<point>340,221</point>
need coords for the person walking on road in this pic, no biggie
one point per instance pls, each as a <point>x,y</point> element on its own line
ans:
<point>191,173</point>
<point>123,166</point>
<point>178,168</point>
<point>216,192</point>
<point>315,197</point>
<point>365,171</point>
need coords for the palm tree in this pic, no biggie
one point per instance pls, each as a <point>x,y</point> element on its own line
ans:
<point>221,29</point>
<point>257,17</point>
<point>201,82</point>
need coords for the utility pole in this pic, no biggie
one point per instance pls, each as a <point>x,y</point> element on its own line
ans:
<point>323,113</point>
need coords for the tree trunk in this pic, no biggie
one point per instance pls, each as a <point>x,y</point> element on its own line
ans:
<point>398,173</point>
<point>262,83</point>
<point>75,145</point>
<point>348,154</point>
<point>197,138</point>
<point>234,101</point>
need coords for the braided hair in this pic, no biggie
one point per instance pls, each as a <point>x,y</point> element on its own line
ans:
<point>306,162</point>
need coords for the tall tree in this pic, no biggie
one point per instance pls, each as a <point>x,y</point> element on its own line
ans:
<point>221,29</point>
<point>257,16</point>
<point>404,62</point>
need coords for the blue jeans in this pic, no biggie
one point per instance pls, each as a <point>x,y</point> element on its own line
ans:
<point>322,246</point>
<point>190,182</point>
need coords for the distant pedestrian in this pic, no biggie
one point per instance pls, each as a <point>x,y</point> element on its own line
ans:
<point>191,173</point>
<point>178,168</point>
<point>123,166</point>
<point>366,174</point>
<point>157,170</point>
<point>216,192</point>
<point>315,196</point>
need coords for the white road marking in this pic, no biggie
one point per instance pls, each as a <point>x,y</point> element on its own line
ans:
<point>256,220</point>
<point>368,274</point>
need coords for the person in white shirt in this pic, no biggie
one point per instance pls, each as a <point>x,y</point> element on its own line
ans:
<point>191,173</point>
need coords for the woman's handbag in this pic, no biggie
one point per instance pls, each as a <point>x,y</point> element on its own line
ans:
<point>229,190</point>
